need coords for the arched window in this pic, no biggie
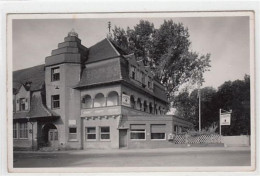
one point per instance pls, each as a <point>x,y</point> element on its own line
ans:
<point>132,100</point>
<point>138,104</point>
<point>112,99</point>
<point>99,100</point>
<point>150,108</point>
<point>145,106</point>
<point>86,102</point>
<point>159,111</point>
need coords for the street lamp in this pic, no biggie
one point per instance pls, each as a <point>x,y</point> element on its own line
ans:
<point>30,131</point>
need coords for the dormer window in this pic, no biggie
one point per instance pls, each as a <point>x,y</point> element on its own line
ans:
<point>55,74</point>
<point>132,72</point>
<point>23,104</point>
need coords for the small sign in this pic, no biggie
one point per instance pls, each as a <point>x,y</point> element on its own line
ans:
<point>126,100</point>
<point>225,119</point>
<point>72,122</point>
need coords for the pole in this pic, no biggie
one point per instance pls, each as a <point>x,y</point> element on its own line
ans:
<point>199,112</point>
<point>32,135</point>
<point>219,122</point>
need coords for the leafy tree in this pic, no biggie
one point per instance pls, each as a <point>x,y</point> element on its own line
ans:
<point>233,95</point>
<point>166,50</point>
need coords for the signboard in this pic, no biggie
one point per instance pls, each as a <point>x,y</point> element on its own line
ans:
<point>126,100</point>
<point>225,119</point>
<point>72,122</point>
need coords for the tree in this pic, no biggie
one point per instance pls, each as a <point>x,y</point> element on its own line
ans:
<point>231,95</point>
<point>166,50</point>
<point>187,106</point>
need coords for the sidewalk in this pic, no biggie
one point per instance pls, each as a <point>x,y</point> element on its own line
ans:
<point>155,150</point>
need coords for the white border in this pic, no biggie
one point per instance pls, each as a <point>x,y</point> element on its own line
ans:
<point>105,6</point>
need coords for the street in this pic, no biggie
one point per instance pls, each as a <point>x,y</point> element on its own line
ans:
<point>135,158</point>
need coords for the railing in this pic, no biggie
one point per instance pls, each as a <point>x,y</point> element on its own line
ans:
<point>198,139</point>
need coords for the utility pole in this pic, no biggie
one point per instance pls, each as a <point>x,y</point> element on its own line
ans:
<point>220,122</point>
<point>199,109</point>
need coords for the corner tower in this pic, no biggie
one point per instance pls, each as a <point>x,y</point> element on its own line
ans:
<point>62,72</point>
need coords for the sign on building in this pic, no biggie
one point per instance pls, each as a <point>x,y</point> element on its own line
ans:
<point>126,100</point>
<point>225,119</point>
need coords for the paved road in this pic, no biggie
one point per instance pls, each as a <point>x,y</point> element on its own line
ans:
<point>134,158</point>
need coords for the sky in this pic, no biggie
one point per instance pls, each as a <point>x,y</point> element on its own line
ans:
<point>225,38</point>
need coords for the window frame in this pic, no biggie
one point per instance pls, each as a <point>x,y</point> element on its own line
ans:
<point>20,104</point>
<point>76,134</point>
<point>137,131</point>
<point>53,79</point>
<point>100,133</point>
<point>15,130</point>
<point>22,130</point>
<point>157,132</point>
<point>54,101</point>
<point>86,133</point>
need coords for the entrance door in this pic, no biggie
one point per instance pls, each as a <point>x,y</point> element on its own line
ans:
<point>122,138</point>
<point>53,137</point>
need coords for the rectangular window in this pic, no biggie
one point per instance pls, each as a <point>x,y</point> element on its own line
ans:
<point>72,133</point>
<point>22,105</point>
<point>55,74</point>
<point>23,130</point>
<point>158,131</point>
<point>55,100</point>
<point>175,129</point>
<point>132,72</point>
<point>15,131</point>
<point>104,133</point>
<point>90,133</point>
<point>137,132</point>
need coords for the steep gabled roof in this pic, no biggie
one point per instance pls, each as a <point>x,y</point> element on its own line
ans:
<point>37,109</point>
<point>35,75</point>
<point>101,51</point>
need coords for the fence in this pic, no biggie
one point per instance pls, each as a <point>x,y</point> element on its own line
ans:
<point>198,139</point>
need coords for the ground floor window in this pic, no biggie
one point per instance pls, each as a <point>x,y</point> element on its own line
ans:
<point>23,130</point>
<point>90,133</point>
<point>72,133</point>
<point>104,133</point>
<point>15,131</point>
<point>137,132</point>
<point>158,131</point>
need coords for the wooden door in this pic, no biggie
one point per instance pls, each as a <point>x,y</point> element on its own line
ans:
<point>123,138</point>
<point>53,137</point>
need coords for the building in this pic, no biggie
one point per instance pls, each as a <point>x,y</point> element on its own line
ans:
<point>97,97</point>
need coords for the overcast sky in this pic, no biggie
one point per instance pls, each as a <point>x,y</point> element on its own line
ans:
<point>225,38</point>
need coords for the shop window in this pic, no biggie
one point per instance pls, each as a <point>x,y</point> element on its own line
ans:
<point>55,74</point>
<point>104,133</point>
<point>72,133</point>
<point>55,100</point>
<point>158,131</point>
<point>90,133</point>
<point>23,130</point>
<point>15,131</point>
<point>137,132</point>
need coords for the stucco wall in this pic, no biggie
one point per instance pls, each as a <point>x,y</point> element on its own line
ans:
<point>112,122</point>
<point>27,143</point>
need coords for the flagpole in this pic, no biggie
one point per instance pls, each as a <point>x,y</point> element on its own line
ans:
<point>199,111</point>
<point>219,122</point>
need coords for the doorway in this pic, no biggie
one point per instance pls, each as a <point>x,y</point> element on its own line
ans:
<point>50,135</point>
<point>122,138</point>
